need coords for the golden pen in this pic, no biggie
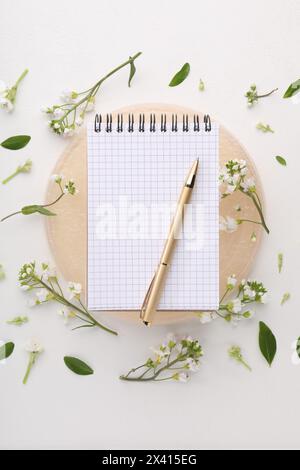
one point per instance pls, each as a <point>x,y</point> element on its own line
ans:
<point>153,294</point>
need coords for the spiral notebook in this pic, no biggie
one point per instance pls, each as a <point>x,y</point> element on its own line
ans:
<point>136,169</point>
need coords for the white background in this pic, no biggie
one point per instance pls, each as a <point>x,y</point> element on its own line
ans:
<point>230,44</point>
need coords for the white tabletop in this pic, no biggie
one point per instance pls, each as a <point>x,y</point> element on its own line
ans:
<point>230,45</point>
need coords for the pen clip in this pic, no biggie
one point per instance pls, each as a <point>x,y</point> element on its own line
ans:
<point>147,296</point>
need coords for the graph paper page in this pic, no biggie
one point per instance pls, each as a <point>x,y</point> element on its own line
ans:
<point>133,180</point>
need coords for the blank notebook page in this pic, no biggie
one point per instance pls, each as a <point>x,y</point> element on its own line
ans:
<point>132,178</point>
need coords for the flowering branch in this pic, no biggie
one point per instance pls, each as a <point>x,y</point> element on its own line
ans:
<point>171,362</point>
<point>253,96</point>
<point>66,117</point>
<point>48,288</point>
<point>69,188</point>
<point>233,175</point>
<point>235,309</point>
<point>8,95</point>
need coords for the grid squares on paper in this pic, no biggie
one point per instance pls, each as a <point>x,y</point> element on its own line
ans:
<point>130,171</point>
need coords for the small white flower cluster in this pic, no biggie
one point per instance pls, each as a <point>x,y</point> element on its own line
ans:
<point>34,346</point>
<point>233,175</point>
<point>68,187</point>
<point>248,292</point>
<point>67,117</point>
<point>6,102</point>
<point>187,351</point>
<point>8,94</point>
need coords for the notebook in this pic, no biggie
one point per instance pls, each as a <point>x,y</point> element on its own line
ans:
<point>136,169</point>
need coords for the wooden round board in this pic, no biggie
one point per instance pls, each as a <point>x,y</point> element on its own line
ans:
<point>67,233</point>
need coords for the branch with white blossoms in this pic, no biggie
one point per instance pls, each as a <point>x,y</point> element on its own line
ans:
<point>253,97</point>
<point>233,176</point>
<point>45,283</point>
<point>8,95</point>
<point>67,117</point>
<point>35,349</point>
<point>173,360</point>
<point>237,308</point>
<point>65,188</point>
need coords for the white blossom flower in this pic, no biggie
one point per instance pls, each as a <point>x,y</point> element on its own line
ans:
<point>228,224</point>
<point>205,317</point>
<point>264,299</point>
<point>32,302</point>
<point>235,306</point>
<point>231,282</point>
<point>42,295</point>
<point>6,104</point>
<point>33,346</point>
<point>75,289</point>
<point>69,96</point>
<point>57,178</point>
<point>182,377</point>
<point>248,185</point>
<point>25,287</point>
<point>249,314</point>
<point>193,365</point>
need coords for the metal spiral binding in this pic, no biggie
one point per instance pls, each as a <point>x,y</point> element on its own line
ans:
<point>106,124</point>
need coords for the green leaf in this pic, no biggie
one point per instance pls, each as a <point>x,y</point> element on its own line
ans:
<point>180,76</point>
<point>77,366</point>
<point>281,160</point>
<point>298,347</point>
<point>286,296</point>
<point>16,142</point>
<point>280,262</point>
<point>267,343</point>
<point>132,71</point>
<point>18,321</point>
<point>28,210</point>
<point>6,350</point>
<point>292,89</point>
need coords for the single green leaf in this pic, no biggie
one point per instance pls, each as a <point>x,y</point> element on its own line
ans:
<point>77,366</point>
<point>201,86</point>
<point>281,160</point>
<point>292,89</point>
<point>6,350</point>
<point>132,71</point>
<point>180,76</point>
<point>286,296</point>
<point>280,262</point>
<point>298,347</point>
<point>267,343</point>
<point>16,142</point>
<point>28,210</point>
<point>18,321</point>
<point>2,273</point>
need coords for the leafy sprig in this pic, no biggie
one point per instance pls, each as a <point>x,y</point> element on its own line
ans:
<point>25,168</point>
<point>44,282</point>
<point>173,360</point>
<point>235,353</point>
<point>8,94</point>
<point>67,117</point>
<point>65,188</point>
